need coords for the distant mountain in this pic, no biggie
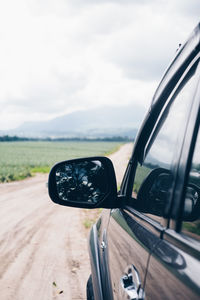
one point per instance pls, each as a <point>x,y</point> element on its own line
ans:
<point>98,122</point>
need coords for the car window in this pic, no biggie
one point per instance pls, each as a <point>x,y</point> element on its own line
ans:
<point>191,215</point>
<point>154,178</point>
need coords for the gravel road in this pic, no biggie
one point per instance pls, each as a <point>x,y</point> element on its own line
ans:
<point>43,246</point>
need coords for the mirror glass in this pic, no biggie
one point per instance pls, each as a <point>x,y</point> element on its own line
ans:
<point>82,181</point>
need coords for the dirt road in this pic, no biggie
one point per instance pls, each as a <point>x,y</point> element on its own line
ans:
<point>43,246</point>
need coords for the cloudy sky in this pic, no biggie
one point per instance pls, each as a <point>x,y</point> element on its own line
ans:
<point>59,56</point>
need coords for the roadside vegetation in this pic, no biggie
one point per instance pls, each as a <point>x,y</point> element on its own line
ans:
<point>22,159</point>
<point>90,216</point>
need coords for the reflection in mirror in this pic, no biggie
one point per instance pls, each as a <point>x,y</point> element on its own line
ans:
<point>192,203</point>
<point>191,215</point>
<point>81,181</point>
<point>153,193</point>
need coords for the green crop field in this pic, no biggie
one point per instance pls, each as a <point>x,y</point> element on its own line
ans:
<point>19,160</point>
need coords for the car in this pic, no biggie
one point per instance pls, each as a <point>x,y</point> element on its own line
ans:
<point>146,243</point>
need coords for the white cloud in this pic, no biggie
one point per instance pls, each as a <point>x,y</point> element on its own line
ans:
<point>59,56</point>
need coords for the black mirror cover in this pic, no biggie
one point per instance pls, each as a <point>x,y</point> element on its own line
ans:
<point>84,182</point>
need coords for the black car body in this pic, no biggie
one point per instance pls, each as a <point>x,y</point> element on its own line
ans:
<point>146,243</point>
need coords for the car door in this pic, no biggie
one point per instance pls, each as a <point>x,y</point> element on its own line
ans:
<point>135,232</point>
<point>174,266</point>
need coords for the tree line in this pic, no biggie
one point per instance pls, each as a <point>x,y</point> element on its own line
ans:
<point>7,138</point>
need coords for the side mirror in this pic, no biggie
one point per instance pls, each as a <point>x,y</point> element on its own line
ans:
<point>84,182</point>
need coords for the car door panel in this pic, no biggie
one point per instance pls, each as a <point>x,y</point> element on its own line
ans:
<point>130,243</point>
<point>172,274</point>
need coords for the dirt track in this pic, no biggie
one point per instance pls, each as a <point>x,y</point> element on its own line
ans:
<point>43,246</point>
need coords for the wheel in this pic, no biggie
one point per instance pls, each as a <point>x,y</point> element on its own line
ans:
<point>90,293</point>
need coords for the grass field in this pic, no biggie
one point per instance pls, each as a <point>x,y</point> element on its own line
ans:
<point>19,160</point>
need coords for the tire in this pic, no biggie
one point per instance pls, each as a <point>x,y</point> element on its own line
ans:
<point>90,293</point>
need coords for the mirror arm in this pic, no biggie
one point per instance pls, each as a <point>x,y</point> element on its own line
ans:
<point>122,201</point>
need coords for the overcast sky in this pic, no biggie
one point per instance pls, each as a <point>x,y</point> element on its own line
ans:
<point>58,56</point>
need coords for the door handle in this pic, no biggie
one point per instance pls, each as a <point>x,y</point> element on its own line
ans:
<point>131,284</point>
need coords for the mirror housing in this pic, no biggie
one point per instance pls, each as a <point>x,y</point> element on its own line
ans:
<point>85,183</point>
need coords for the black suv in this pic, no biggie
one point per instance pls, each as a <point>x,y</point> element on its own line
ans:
<point>146,243</point>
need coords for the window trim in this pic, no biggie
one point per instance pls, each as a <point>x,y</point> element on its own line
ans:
<point>129,181</point>
<point>167,103</point>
